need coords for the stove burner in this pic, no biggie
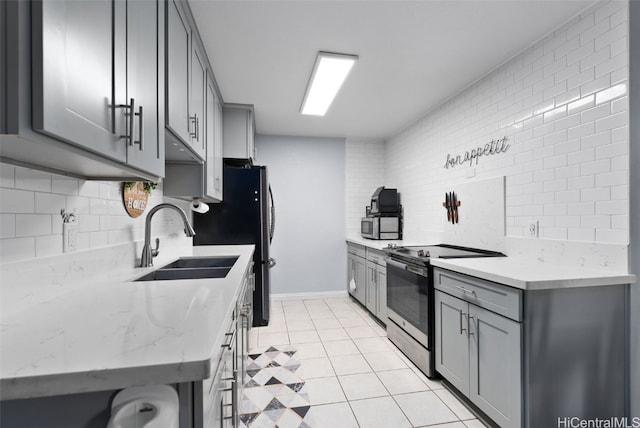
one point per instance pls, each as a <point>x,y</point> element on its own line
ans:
<point>422,254</point>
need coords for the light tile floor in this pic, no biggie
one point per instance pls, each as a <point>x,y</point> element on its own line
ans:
<point>353,376</point>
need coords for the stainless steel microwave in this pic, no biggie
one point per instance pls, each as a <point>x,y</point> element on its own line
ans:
<point>381,227</point>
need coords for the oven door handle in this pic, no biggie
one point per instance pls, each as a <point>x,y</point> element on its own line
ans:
<point>403,266</point>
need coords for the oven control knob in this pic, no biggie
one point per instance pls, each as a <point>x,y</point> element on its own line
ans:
<point>421,253</point>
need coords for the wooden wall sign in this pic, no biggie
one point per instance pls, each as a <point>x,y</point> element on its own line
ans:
<point>135,198</point>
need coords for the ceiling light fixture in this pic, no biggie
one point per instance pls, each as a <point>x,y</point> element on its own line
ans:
<point>329,73</point>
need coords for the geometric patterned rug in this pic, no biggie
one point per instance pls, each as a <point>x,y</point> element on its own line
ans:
<point>272,396</point>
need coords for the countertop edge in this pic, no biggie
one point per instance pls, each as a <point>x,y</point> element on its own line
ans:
<point>588,279</point>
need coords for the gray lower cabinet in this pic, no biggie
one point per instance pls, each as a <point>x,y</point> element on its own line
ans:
<point>367,270</point>
<point>356,273</point>
<point>479,352</point>
<point>376,296</point>
<point>528,358</point>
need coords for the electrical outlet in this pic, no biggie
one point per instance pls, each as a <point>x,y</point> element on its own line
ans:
<point>69,232</point>
<point>533,229</point>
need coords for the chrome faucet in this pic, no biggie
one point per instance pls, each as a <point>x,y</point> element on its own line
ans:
<point>149,253</point>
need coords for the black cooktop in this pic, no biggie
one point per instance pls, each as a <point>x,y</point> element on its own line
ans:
<point>423,253</point>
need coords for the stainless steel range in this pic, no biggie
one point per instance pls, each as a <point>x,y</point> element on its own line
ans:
<point>410,295</point>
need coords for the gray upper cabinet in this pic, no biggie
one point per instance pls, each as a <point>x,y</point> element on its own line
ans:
<point>197,99</point>
<point>194,154</point>
<point>73,74</point>
<point>145,88</point>
<point>177,68</point>
<point>72,69</point>
<point>239,132</point>
<point>186,68</point>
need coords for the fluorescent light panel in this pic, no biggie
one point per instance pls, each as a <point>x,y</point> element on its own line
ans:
<point>329,73</point>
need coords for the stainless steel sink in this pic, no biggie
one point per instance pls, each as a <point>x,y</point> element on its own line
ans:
<point>202,262</point>
<point>185,273</point>
<point>192,268</point>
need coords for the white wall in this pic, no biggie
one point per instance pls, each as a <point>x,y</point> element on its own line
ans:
<point>563,105</point>
<point>365,162</point>
<point>308,180</point>
<point>31,225</point>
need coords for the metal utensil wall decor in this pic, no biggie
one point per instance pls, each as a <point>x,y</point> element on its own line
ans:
<point>451,203</point>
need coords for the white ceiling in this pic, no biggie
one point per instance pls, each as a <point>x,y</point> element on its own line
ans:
<point>413,54</point>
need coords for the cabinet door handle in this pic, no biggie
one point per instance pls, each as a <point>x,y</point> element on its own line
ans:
<point>462,329</point>
<point>194,119</point>
<point>128,134</point>
<point>469,323</point>
<point>140,128</point>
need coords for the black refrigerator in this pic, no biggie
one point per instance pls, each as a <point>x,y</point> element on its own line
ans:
<point>245,216</point>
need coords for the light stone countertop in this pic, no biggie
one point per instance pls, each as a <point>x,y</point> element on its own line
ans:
<point>115,333</point>
<point>519,272</point>
<point>527,274</point>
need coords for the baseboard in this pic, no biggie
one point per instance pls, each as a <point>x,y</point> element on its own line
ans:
<point>310,295</point>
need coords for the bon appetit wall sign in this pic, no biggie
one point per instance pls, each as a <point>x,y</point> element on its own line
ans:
<point>492,148</point>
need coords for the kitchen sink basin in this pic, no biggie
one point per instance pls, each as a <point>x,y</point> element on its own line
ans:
<point>202,262</point>
<point>185,273</point>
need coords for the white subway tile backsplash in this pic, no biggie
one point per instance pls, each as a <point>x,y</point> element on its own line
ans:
<point>613,236</point>
<point>33,225</point>
<point>592,86</point>
<point>612,179</point>
<point>49,203</point>
<point>7,226</point>
<point>620,207</point>
<point>48,245</point>
<point>583,182</point>
<point>596,194</point>
<point>65,186</point>
<point>30,221</point>
<point>17,201</point>
<point>588,235</point>
<point>581,208</point>
<point>614,121</point>
<point>17,249</point>
<point>613,150</point>
<point>7,176</point>
<point>595,221</point>
<point>595,167</point>
<point>611,65</point>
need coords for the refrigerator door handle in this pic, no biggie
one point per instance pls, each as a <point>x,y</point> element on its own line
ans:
<point>271,262</point>
<point>272,223</point>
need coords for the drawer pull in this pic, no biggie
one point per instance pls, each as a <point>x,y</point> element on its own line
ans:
<point>466,290</point>
<point>232,338</point>
<point>462,329</point>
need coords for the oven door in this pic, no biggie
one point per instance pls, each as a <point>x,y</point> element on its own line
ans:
<point>408,300</point>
